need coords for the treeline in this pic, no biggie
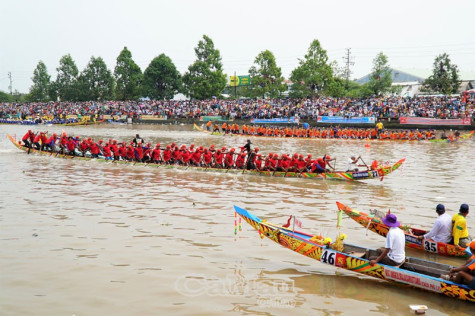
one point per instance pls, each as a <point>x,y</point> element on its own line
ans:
<point>314,75</point>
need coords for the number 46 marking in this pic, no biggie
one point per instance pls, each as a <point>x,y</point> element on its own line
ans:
<point>328,257</point>
<point>430,246</point>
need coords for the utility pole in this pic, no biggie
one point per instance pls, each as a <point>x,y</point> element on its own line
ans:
<point>10,87</point>
<point>348,62</point>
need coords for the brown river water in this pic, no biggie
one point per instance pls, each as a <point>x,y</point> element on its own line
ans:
<point>89,238</point>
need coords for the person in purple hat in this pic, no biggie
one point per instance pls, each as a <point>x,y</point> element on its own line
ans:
<point>393,253</point>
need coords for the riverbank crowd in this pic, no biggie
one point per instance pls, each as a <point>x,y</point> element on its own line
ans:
<point>306,109</point>
<point>138,151</point>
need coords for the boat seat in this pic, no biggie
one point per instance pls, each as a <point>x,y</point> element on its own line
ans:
<point>357,254</point>
<point>424,269</point>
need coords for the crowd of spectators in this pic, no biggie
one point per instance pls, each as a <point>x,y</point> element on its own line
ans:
<point>306,109</point>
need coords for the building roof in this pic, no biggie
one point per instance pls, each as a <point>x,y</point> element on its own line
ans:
<point>397,75</point>
<point>419,75</point>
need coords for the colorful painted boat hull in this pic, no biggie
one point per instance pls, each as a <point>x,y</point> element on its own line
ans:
<point>377,226</point>
<point>301,243</point>
<point>349,176</point>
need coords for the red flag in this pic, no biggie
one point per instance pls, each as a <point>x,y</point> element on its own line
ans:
<point>298,223</point>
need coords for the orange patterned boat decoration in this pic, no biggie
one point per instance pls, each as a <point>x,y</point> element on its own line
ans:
<point>414,272</point>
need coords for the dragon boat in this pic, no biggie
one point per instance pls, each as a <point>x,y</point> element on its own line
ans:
<point>49,123</point>
<point>445,140</point>
<point>379,173</point>
<point>414,272</point>
<point>375,224</point>
<point>80,123</point>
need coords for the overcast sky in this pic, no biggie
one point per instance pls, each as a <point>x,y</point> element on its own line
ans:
<point>411,33</point>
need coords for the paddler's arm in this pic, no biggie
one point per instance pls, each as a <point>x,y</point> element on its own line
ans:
<point>381,257</point>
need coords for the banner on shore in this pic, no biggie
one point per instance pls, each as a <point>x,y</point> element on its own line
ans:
<point>346,120</point>
<point>214,119</point>
<point>283,120</point>
<point>434,121</point>
<point>238,81</point>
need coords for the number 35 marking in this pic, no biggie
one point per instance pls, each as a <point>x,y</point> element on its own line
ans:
<point>430,246</point>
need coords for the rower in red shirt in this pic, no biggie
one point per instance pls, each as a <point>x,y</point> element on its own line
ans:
<point>218,159</point>
<point>196,157</point>
<point>71,146</point>
<point>167,155</point>
<point>115,149</point>
<point>107,152</point>
<point>139,152</point>
<point>273,162</point>
<point>28,138</point>
<point>147,152</point>
<point>309,160</point>
<point>130,152</point>
<point>156,154</point>
<point>258,162</point>
<point>62,142</point>
<point>293,162</point>
<point>185,156</point>
<point>267,161</point>
<point>229,159</point>
<point>301,165</point>
<point>122,151</point>
<point>207,158</point>
<point>239,164</point>
<point>51,142</point>
<point>36,141</point>
<point>283,164</point>
<point>175,155</point>
<point>83,147</point>
<point>95,150</point>
<point>320,164</point>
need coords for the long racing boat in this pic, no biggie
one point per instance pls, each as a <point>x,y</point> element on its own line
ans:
<point>375,224</point>
<point>445,140</point>
<point>379,173</point>
<point>414,272</point>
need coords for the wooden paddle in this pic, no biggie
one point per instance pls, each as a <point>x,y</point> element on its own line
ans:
<point>364,162</point>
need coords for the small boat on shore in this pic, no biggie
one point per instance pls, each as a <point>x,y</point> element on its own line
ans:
<point>414,272</point>
<point>379,173</point>
<point>375,224</point>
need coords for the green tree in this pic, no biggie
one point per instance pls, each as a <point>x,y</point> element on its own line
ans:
<point>380,80</point>
<point>96,81</point>
<point>445,76</point>
<point>128,77</point>
<point>5,97</point>
<point>313,74</point>
<point>65,84</point>
<point>266,77</point>
<point>335,87</point>
<point>161,79</point>
<point>205,77</point>
<point>40,89</point>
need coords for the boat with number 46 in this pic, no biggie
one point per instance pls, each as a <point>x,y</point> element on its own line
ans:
<point>414,272</point>
<point>375,224</point>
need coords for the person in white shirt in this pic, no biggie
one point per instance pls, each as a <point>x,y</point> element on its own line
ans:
<point>393,253</point>
<point>352,164</point>
<point>442,229</point>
